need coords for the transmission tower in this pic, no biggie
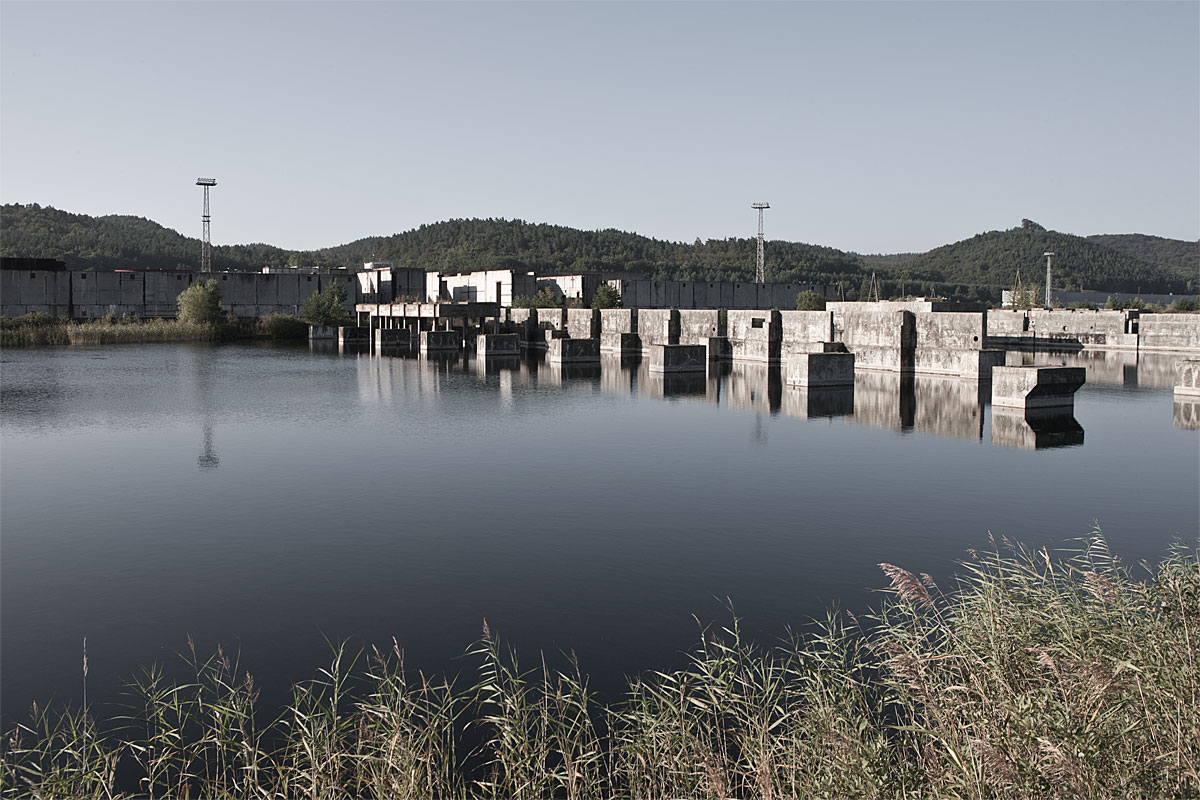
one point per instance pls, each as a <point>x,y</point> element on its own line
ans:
<point>760,275</point>
<point>206,244</point>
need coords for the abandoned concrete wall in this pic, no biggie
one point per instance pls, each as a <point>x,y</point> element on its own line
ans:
<point>697,326</point>
<point>583,323</point>
<point>801,328</point>
<point>755,335</point>
<point>884,340</point>
<point>35,291</point>
<point>1088,327</point>
<point>1006,323</point>
<point>1169,332</point>
<point>658,326</point>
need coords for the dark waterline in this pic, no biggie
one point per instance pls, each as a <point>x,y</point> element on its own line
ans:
<point>270,498</point>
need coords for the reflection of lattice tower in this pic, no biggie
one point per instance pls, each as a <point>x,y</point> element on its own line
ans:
<point>206,243</point>
<point>760,274</point>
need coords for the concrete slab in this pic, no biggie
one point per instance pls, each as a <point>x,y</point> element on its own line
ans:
<point>1036,387</point>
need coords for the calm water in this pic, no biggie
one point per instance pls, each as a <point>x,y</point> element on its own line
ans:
<point>271,498</point>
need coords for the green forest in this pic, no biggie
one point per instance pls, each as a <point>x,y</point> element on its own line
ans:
<point>973,269</point>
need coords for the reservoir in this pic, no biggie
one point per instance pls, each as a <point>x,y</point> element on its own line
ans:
<point>273,499</point>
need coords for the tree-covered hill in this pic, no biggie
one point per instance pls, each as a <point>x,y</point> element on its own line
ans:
<point>116,242</point>
<point>1180,256</point>
<point>993,259</point>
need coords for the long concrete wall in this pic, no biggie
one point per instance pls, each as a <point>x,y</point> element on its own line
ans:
<point>711,295</point>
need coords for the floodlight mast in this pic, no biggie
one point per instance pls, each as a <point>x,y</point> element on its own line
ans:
<point>760,273</point>
<point>206,243</point>
<point>1048,257</point>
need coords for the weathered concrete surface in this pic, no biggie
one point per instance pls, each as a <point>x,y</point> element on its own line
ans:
<point>697,326</point>
<point>573,351</point>
<point>583,323</point>
<point>879,340</point>
<point>1169,332</point>
<point>498,344</point>
<point>675,358</point>
<point>815,370</point>
<point>719,348</point>
<point>657,326</point>
<point>1187,378</point>
<point>800,329</point>
<point>554,319</point>
<point>620,343</point>
<point>969,364</point>
<point>1040,329</point>
<point>440,341</point>
<point>640,294</point>
<point>886,306</point>
<point>618,320</point>
<point>322,332</point>
<point>1033,429</point>
<point>1186,413</point>
<point>755,336</point>
<point>1036,387</point>
<point>818,403</point>
<point>393,337</point>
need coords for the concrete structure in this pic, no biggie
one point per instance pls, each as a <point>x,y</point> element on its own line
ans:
<point>639,294</point>
<point>880,340</point>
<point>697,326</point>
<point>322,333</point>
<point>719,348</point>
<point>657,326</point>
<point>755,336</point>
<point>440,341</point>
<point>583,323</point>
<point>573,351</point>
<point>1169,332</point>
<point>1036,387</point>
<point>353,334</point>
<point>819,370</point>
<point>1034,430</point>
<point>618,331</point>
<point>1187,378</point>
<point>674,358</point>
<point>498,344</point>
<point>393,337</point>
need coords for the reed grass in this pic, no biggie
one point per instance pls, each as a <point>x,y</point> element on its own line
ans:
<point>1037,674</point>
<point>42,329</point>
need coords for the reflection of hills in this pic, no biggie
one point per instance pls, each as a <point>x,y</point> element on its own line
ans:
<point>1035,430</point>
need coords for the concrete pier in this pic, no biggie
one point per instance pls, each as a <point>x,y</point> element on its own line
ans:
<point>353,334</point>
<point>441,341</point>
<point>813,370</point>
<point>675,358</point>
<point>497,344</point>
<point>573,351</point>
<point>1036,387</point>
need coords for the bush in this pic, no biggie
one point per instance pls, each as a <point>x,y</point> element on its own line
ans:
<point>285,326</point>
<point>606,297</point>
<point>1186,304</point>
<point>325,307</point>
<point>810,301</point>
<point>200,304</point>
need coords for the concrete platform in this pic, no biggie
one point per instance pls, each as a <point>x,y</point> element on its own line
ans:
<point>440,341</point>
<point>674,358</point>
<point>814,370</point>
<point>497,344</point>
<point>1036,387</point>
<point>573,351</point>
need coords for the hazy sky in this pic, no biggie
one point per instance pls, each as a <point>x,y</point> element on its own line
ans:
<point>875,127</point>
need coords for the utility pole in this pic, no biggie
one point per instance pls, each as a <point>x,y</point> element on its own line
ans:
<point>206,243</point>
<point>760,274</point>
<point>1048,257</point>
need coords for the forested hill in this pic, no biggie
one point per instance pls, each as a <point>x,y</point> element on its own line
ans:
<point>461,244</point>
<point>993,259</point>
<point>116,242</point>
<point>1173,253</point>
<point>976,268</point>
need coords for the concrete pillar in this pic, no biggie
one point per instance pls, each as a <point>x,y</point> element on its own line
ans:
<point>1036,387</point>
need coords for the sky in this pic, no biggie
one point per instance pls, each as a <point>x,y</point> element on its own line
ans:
<point>875,127</point>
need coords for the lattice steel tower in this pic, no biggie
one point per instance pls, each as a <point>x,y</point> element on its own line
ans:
<point>760,274</point>
<point>206,244</point>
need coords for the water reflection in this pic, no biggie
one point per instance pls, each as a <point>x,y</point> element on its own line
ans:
<point>823,402</point>
<point>1187,413</point>
<point>1127,368</point>
<point>1034,429</point>
<point>754,387</point>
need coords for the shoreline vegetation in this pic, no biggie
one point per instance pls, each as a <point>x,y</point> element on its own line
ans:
<point>38,329</point>
<point>1037,674</point>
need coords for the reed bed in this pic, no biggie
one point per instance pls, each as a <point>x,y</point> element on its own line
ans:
<point>42,329</point>
<point>1037,674</point>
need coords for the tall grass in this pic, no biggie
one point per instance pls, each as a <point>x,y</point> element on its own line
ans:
<point>42,329</point>
<point>1036,674</point>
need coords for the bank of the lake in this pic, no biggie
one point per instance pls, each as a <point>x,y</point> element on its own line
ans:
<point>33,330</point>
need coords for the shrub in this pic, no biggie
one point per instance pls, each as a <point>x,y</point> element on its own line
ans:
<point>200,304</point>
<point>325,307</point>
<point>606,297</point>
<point>285,326</point>
<point>1186,304</point>
<point>545,298</point>
<point>810,301</point>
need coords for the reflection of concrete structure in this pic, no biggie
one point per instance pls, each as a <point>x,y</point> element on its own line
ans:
<point>1187,412</point>
<point>884,400</point>
<point>926,404</point>
<point>1036,387</point>
<point>754,387</point>
<point>1034,429</point>
<point>818,402</point>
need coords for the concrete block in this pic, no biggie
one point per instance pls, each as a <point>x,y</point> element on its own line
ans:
<point>440,341</point>
<point>1036,387</point>
<point>353,334</point>
<point>583,323</point>
<point>623,343</point>
<point>1034,429</point>
<point>393,337</point>
<point>819,369</point>
<point>697,326</point>
<point>1187,377</point>
<point>719,349</point>
<point>755,335</point>
<point>498,344</point>
<point>573,351</point>
<point>1169,332</point>
<point>322,332</point>
<point>678,358</point>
